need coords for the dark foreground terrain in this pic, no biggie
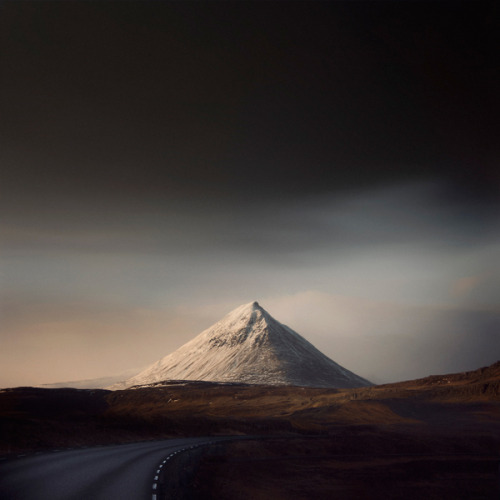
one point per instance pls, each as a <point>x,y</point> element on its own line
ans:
<point>357,463</point>
<point>437,437</point>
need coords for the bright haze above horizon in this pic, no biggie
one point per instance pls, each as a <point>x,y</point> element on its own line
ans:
<point>164,162</point>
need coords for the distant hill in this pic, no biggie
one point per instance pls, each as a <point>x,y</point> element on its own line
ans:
<point>91,383</point>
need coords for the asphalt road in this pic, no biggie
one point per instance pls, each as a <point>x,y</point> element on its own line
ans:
<point>108,472</point>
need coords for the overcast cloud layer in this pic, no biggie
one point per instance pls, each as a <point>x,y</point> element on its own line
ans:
<point>163,163</point>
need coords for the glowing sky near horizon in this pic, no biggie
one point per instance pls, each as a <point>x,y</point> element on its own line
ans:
<point>163,163</point>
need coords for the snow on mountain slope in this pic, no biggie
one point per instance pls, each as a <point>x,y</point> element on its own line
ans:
<point>248,346</point>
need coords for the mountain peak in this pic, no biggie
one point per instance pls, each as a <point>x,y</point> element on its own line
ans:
<point>246,313</point>
<point>246,308</point>
<point>243,324</point>
<point>249,346</point>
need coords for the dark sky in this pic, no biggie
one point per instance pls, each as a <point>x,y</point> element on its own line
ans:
<point>166,155</point>
<point>198,98</point>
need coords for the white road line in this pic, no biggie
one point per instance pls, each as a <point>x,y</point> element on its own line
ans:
<point>176,452</point>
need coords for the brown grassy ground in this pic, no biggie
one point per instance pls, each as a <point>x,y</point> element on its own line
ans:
<point>40,418</point>
<point>313,470</point>
<point>356,462</point>
<point>437,437</point>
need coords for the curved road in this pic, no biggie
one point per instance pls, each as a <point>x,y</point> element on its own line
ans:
<point>124,471</point>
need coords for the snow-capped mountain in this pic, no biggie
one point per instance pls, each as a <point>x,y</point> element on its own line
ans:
<point>248,346</point>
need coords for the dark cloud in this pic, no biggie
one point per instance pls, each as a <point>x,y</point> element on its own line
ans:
<point>418,214</point>
<point>245,99</point>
